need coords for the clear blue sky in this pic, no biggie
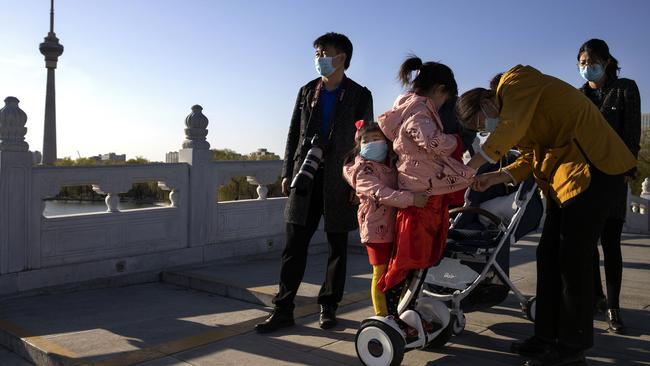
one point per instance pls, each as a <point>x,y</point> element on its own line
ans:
<point>131,70</point>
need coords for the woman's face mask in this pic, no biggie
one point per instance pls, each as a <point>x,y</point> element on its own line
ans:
<point>375,151</point>
<point>592,72</point>
<point>490,122</point>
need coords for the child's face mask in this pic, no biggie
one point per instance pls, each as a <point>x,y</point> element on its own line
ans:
<point>375,151</point>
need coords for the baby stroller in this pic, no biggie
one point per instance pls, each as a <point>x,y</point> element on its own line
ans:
<point>472,275</point>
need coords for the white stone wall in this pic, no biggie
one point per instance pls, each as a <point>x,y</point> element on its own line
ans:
<point>40,252</point>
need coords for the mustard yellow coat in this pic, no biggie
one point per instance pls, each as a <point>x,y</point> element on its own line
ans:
<point>559,132</point>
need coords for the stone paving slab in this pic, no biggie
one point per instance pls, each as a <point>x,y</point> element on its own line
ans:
<point>97,325</point>
<point>477,345</point>
<point>166,361</point>
<point>258,283</point>
<point>165,325</point>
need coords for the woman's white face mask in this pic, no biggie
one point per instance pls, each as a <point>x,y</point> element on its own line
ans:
<point>490,122</point>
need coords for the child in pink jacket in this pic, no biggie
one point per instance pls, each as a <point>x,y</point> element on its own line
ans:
<point>370,172</point>
<point>424,165</point>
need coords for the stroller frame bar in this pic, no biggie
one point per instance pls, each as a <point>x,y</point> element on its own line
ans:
<point>521,200</point>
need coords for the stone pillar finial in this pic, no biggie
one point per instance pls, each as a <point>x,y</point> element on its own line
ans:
<point>196,131</point>
<point>12,126</point>
<point>645,188</point>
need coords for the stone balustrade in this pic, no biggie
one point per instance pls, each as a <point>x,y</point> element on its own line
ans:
<point>42,252</point>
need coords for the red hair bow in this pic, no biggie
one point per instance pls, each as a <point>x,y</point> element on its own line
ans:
<point>358,124</point>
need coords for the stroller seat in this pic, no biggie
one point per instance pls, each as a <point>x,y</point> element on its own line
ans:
<point>473,238</point>
<point>472,242</point>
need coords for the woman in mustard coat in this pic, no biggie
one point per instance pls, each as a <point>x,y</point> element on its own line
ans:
<point>574,156</point>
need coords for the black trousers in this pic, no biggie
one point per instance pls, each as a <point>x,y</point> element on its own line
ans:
<point>294,256</point>
<point>565,291</point>
<point>610,241</point>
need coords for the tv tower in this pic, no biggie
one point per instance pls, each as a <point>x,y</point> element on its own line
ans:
<point>51,49</point>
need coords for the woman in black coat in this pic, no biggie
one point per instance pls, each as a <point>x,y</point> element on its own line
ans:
<point>619,102</point>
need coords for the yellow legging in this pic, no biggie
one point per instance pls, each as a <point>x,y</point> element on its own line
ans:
<point>378,297</point>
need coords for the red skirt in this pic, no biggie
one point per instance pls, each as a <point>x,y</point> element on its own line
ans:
<point>379,253</point>
<point>421,234</point>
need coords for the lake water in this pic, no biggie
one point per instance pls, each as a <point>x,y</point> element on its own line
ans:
<point>56,208</point>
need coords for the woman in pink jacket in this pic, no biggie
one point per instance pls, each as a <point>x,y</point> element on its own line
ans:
<point>369,170</point>
<point>424,165</point>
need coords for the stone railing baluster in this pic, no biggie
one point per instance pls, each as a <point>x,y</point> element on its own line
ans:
<point>112,192</point>
<point>174,196</point>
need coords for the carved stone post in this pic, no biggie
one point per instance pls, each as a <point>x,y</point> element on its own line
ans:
<point>645,189</point>
<point>12,126</point>
<point>201,196</point>
<point>15,187</point>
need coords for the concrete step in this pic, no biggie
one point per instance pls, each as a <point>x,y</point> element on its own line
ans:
<point>256,281</point>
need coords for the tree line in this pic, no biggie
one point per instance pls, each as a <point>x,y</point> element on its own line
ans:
<point>239,188</point>
<point>146,192</point>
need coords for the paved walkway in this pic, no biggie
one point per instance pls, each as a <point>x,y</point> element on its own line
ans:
<point>204,316</point>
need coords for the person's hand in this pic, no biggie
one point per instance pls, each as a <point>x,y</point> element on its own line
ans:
<point>285,186</point>
<point>484,181</point>
<point>420,199</point>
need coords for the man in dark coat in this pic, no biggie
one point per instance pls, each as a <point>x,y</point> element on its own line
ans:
<point>328,107</point>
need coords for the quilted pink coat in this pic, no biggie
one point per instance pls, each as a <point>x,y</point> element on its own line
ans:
<point>375,185</point>
<point>425,163</point>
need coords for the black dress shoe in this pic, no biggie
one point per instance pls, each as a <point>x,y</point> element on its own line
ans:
<point>327,318</point>
<point>554,358</point>
<point>614,320</point>
<point>277,319</point>
<point>530,347</point>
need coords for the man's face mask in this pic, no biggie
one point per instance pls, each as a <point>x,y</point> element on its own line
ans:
<point>324,66</point>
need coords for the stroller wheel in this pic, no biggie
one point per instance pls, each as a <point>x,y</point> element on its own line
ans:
<point>379,344</point>
<point>457,323</point>
<point>531,306</point>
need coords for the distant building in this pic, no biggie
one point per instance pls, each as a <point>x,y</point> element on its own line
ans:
<point>113,157</point>
<point>171,157</point>
<point>37,157</point>
<point>645,120</point>
<point>263,154</point>
<point>108,158</point>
